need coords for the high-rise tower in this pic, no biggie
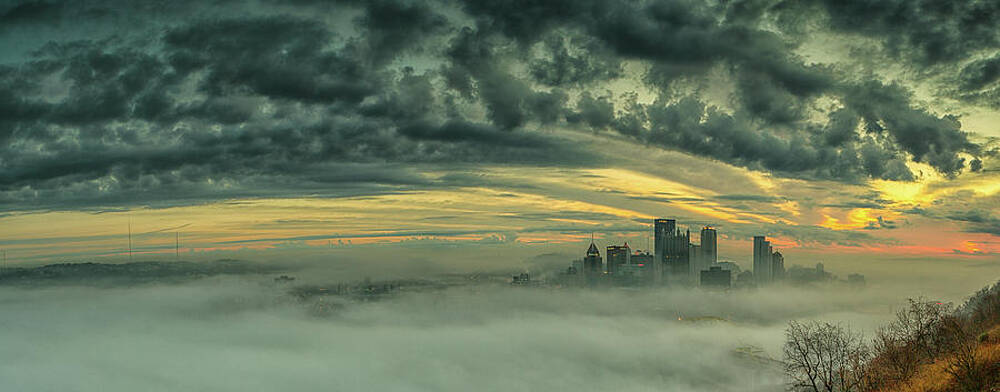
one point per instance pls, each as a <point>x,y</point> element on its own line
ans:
<point>777,266</point>
<point>592,262</point>
<point>663,229</point>
<point>709,247</point>
<point>617,255</point>
<point>761,260</point>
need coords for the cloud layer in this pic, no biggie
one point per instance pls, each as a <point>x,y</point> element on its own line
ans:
<point>219,101</point>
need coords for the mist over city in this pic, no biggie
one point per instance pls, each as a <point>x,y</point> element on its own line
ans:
<point>508,195</point>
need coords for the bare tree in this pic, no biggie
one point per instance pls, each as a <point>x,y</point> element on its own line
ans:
<point>919,326</point>
<point>825,357</point>
<point>964,364</point>
<point>894,359</point>
<point>984,306</point>
<point>915,337</point>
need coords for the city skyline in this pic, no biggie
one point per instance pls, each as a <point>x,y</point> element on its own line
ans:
<point>675,261</point>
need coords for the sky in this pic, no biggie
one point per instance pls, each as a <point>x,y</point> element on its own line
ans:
<point>472,134</point>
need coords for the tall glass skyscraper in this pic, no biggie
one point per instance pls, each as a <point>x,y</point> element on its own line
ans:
<point>761,260</point>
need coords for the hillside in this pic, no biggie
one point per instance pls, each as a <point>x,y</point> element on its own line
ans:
<point>935,377</point>
<point>930,346</point>
<point>969,359</point>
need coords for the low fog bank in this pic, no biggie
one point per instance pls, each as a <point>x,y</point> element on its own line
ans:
<point>247,333</point>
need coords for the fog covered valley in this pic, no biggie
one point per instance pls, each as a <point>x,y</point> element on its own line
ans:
<point>264,330</point>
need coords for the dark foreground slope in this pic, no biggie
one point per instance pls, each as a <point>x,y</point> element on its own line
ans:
<point>968,358</point>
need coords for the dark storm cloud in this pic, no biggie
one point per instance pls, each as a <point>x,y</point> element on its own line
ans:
<point>559,67</point>
<point>881,223</point>
<point>934,37</point>
<point>30,12</point>
<point>980,73</point>
<point>272,99</point>
<point>393,26</point>
<point>928,31</point>
<point>127,128</point>
<point>935,140</point>
<point>278,57</point>
<point>474,71</point>
<point>979,81</point>
<point>774,85</point>
<point>974,212</point>
<point>978,220</point>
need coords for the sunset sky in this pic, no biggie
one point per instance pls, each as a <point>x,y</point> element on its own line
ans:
<point>498,129</point>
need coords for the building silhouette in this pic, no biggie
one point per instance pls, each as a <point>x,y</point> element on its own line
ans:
<point>617,256</point>
<point>696,263</point>
<point>673,251</point>
<point>761,260</point>
<point>641,267</point>
<point>662,228</point>
<point>709,246</point>
<point>716,277</point>
<point>593,267</point>
<point>777,266</point>
<point>643,258</point>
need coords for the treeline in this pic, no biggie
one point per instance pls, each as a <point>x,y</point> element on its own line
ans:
<point>135,272</point>
<point>937,338</point>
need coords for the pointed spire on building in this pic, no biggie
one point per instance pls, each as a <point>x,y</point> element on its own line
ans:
<point>593,249</point>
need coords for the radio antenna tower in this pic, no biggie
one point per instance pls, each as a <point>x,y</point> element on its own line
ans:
<point>177,246</point>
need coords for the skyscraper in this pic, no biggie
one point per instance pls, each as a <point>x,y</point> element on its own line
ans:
<point>696,263</point>
<point>709,247</point>
<point>672,251</point>
<point>662,230</point>
<point>777,266</point>
<point>761,260</point>
<point>679,253</point>
<point>643,261</point>
<point>617,255</point>
<point>592,262</point>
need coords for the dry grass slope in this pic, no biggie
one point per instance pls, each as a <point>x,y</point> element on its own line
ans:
<point>934,377</point>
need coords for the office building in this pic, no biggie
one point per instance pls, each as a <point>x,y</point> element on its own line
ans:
<point>641,258</point>
<point>662,229</point>
<point>617,256</point>
<point>632,274</point>
<point>761,260</point>
<point>678,254</point>
<point>716,277</point>
<point>641,266</point>
<point>729,266</point>
<point>777,266</point>
<point>672,251</point>
<point>696,264</point>
<point>709,246</point>
<point>592,264</point>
